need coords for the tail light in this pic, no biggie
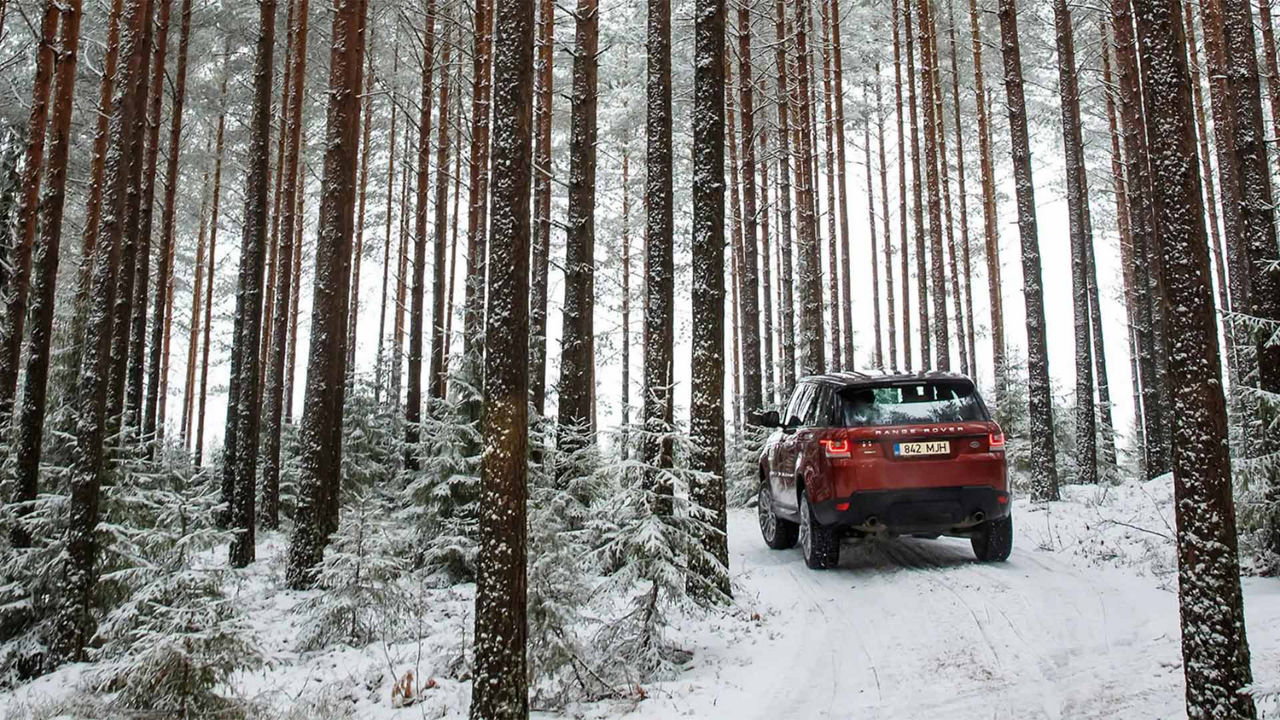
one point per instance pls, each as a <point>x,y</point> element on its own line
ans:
<point>995,441</point>
<point>836,448</point>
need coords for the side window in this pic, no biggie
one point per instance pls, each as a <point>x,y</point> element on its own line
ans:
<point>818,411</point>
<point>796,408</point>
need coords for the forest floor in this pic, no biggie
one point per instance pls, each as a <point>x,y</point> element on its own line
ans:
<point>1082,622</point>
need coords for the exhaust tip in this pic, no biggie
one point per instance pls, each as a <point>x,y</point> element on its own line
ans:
<point>979,517</point>
<point>872,522</point>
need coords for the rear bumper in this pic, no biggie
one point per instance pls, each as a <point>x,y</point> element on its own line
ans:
<point>924,510</point>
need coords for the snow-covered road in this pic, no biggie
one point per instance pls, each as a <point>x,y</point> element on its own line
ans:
<point>917,629</point>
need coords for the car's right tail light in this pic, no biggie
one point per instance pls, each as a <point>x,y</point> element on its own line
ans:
<point>995,441</point>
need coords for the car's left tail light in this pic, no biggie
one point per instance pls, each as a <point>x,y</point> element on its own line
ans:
<point>836,448</point>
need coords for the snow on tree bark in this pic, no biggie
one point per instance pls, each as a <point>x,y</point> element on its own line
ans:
<point>659,306</point>
<point>240,442</point>
<point>902,187</point>
<point>1044,472</point>
<point>439,334</point>
<point>31,411</point>
<point>931,109</point>
<point>198,454</point>
<point>1142,230</point>
<point>577,376</point>
<point>15,273</point>
<point>152,413</point>
<point>290,225</point>
<point>135,378</point>
<point>320,433</point>
<point>991,230</point>
<point>499,689</point>
<point>809,263</point>
<point>72,624</point>
<point>543,98</point>
<point>1081,240</point>
<point>786,279</point>
<point>1215,650</point>
<point>917,204</point>
<point>750,278</point>
<point>706,406</point>
<point>477,226</point>
<point>413,402</point>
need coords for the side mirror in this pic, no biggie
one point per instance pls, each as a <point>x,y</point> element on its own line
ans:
<point>770,419</point>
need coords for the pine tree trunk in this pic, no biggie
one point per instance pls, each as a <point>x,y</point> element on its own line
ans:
<point>380,371</point>
<point>1044,473</point>
<point>286,293</point>
<point>1269,56</point>
<point>357,252</point>
<point>888,232</point>
<point>296,284</point>
<point>578,336</point>
<point>543,98</point>
<point>500,687</point>
<point>990,227</point>
<point>902,191</point>
<point>1137,172</point>
<point>753,402</point>
<point>842,185</point>
<point>1106,427</point>
<point>1206,165</point>
<point>417,313</point>
<point>72,625</point>
<point>786,278</point>
<point>209,274</point>
<point>932,156</point>
<point>453,222</point>
<point>164,279</point>
<point>766,276</point>
<point>952,259</point>
<point>659,307</point>
<point>1086,450</point>
<point>277,191</point>
<point>833,242</point>
<point>706,410</point>
<point>31,411</point>
<point>477,237</point>
<point>963,200</point>
<point>15,274</point>
<point>1121,188</point>
<point>402,280</point>
<point>809,266</point>
<point>917,203</point>
<point>439,336</point>
<point>1215,650</point>
<point>877,357</point>
<point>134,398</point>
<point>626,302</point>
<point>320,435</point>
<point>1221,99</point>
<point>240,442</point>
<point>193,341</point>
<point>120,416</point>
<point>1256,232</point>
<point>735,244</point>
<point>70,365</point>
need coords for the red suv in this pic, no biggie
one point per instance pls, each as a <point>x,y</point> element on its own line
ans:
<point>884,455</point>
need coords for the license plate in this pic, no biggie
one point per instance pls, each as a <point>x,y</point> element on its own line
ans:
<point>919,449</point>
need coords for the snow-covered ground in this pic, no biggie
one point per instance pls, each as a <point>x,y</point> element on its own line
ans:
<point>1081,623</point>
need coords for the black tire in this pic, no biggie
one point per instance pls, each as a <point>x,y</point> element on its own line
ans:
<point>778,533</point>
<point>994,540</point>
<point>820,544</point>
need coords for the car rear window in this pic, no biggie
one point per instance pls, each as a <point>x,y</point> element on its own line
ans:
<point>910,403</point>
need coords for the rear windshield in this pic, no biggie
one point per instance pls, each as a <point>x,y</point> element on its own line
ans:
<point>910,403</point>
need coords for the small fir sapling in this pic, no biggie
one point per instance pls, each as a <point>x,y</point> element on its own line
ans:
<point>175,637</point>
<point>440,498</point>
<point>359,599</point>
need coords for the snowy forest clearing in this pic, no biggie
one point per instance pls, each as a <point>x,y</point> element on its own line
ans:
<point>1080,623</point>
